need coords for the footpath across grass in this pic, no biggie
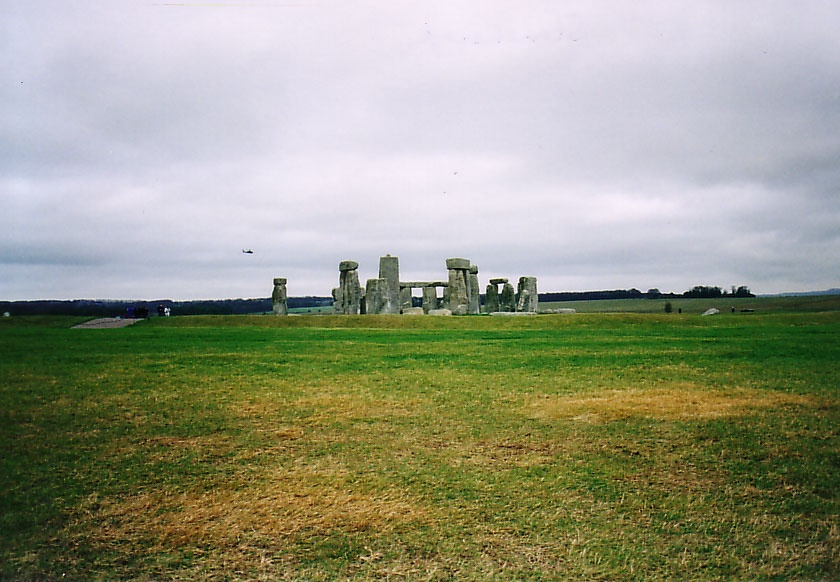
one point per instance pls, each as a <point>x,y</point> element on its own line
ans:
<point>592,446</point>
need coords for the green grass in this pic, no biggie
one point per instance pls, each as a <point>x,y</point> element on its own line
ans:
<point>594,446</point>
<point>697,306</point>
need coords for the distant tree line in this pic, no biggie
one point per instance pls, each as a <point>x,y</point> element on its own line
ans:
<point>115,308</point>
<point>591,295</point>
<point>698,291</point>
<point>120,308</point>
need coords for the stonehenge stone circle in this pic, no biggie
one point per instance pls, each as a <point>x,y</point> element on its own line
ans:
<point>461,292</point>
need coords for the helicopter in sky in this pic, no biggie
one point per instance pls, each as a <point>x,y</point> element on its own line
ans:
<point>247,251</point>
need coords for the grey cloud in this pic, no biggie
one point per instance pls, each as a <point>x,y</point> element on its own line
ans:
<point>606,145</point>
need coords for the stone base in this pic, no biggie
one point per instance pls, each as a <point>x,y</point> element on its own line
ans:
<point>444,312</point>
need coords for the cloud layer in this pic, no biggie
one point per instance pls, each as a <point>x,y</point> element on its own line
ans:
<point>605,145</point>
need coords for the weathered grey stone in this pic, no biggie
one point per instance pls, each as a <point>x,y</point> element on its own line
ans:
<point>374,296</point>
<point>456,296</point>
<point>279,304</point>
<point>338,301</point>
<point>405,299</point>
<point>440,312</point>
<point>473,291</point>
<point>430,300</point>
<point>413,311</point>
<point>498,281</point>
<point>350,291</point>
<point>389,270</point>
<point>507,299</point>
<point>526,297</point>
<point>458,263</point>
<point>462,295</point>
<point>491,297</point>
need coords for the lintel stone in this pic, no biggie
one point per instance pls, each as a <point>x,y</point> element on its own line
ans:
<point>418,284</point>
<point>457,263</point>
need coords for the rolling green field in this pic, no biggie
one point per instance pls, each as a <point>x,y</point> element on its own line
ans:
<point>587,446</point>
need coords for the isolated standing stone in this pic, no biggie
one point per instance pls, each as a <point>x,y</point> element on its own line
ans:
<point>279,302</point>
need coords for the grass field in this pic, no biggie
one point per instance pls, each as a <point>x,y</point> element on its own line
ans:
<point>591,446</point>
<point>696,306</point>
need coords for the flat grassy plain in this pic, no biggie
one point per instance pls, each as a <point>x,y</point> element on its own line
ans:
<point>587,446</point>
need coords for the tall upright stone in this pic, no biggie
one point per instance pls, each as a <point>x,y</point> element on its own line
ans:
<point>351,292</point>
<point>375,296</point>
<point>279,304</point>
<point>389,270</point>
<point>338,301</point>
<point>527,299</point>
<point>406,301</point>
<point>491,298</point>
<point>473,291</point>
<point>507,299</point>
<point>430,299</point>
<point>456,297</point>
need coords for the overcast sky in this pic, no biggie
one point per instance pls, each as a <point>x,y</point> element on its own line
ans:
<point>594,145</point>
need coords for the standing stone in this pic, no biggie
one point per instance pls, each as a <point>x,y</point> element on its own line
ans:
<point>430,300</point>
<point>456,297</point>
<point>507,300</point>
<point>473,291</point>
<point>351,292</point>
<point>527,299</point>
<point>406,301</point>
<point>338,301</point>
<point>491,298</point>
<point>279,304</point>
<point>375,296</point>
<point>389,270</point>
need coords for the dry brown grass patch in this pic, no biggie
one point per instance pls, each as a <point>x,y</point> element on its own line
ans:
<point>270,511</point>
<point>683,401</point>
